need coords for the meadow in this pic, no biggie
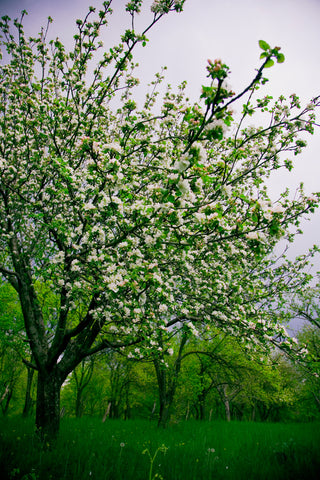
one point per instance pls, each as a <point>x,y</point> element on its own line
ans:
<point>138,450</point>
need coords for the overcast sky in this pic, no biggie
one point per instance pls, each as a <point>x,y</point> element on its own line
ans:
<point>226,29</point>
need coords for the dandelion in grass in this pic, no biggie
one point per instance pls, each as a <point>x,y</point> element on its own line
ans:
<point>210,457</point>
<point>122,445</point>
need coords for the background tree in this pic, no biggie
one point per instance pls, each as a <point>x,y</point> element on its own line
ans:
<point>305,306</point>
<point>309,338</point>
<point>119,371</point>
<point>14,347</point>
<point>128,217</point>
<point>82,376</point>
<point>167,375</point>
<point>91,398</point>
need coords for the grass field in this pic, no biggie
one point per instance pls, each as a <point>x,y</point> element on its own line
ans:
<point>138,450</point>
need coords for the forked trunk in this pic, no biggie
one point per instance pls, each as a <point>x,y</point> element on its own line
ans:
<point>48,405</point>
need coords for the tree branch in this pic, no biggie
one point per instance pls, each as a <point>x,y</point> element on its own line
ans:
<point>11,276</point>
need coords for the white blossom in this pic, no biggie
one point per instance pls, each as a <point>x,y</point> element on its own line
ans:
<point>96,147</point>
<point>143,298</point>
<point>88,206</point>
<point>252,236</point>
<point>216,124</point>
<point>75,267</point>
<point>202,152</point>
<point>149,239</point>
<point>228,190</point>
<point>113,146</point>
<point>277,209</point>
<point>163,308</point>
<point>58,258</point>
<point>159,6</point>
<point>113,286</point>
<point>182,164</point>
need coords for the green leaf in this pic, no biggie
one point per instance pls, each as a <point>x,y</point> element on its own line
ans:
<point>207,179</point>
<point>264,55</point>
<point>280,58</point>
<point>255,218</point>
<point>269,63</point>
<point>264,45</point>
<point>245,199</point>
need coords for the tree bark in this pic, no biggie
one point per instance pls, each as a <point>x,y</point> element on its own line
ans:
<point>48,405</point>
<point>164,414</point>
<point>227,409</point>
<point>225,399</point>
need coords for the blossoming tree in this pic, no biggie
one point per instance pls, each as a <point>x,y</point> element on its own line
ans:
<point>117,221</point>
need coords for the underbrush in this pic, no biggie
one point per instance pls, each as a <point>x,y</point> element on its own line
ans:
<point>138,450</point>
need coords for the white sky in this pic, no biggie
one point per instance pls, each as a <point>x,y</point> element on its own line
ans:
<point>226,29</point>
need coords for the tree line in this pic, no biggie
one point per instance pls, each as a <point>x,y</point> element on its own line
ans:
<point>206,377</point>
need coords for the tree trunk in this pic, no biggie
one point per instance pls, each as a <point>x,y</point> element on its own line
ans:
<point>127,408</point>
<point>164,414</point>
<point>227,409</point>
<point>5,393</point>
<point>253,413</point>
<point>28,399</point>
<point>202,409</point>
<point>153,410</point>
<point>167,384</point>
<point>5,403</point>
<point>48,405</point>
<point>82,379</point>
<point>165,396</point>
<point>79,403</point>
<point>106,413</point>
<point>317,400</point>
<point>114,409</point>
<point>226,403</point>
<point>188,411</point>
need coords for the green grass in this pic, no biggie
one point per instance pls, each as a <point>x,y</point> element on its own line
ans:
<point>89,449</point>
